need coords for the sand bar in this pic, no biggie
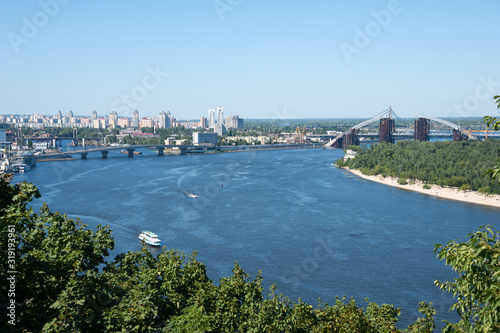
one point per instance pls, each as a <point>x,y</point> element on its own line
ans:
<point>435,190</point>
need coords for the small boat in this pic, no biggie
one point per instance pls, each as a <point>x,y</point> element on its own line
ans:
<point>150,238</point>
<point>190,194</point>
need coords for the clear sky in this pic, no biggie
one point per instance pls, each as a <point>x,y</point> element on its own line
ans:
<point>258,58</point>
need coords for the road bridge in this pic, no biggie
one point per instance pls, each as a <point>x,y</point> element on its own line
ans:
<point>182,148</point>
<point>130,150</point>
<point>55,139</point>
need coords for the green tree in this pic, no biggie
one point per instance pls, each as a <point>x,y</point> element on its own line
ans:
<point>53,254</point>
<point>477,261</point>
<point>494,123</point>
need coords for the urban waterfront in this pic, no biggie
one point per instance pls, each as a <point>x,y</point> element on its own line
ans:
<point>314,230</point>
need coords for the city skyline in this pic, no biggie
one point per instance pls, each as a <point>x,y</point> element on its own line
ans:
<point>113,120</point>
<point>279,60</point>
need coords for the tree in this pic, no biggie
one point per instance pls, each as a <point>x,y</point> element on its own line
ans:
<point>493,122</point>
<point>477,261</point>
<point>55,257</point>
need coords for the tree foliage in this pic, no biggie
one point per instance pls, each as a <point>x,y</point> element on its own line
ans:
<point>477,261</point>
<point>493,122</point>
<point>445,163</point>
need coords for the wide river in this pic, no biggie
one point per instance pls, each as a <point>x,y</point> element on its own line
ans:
<point>313,230</point>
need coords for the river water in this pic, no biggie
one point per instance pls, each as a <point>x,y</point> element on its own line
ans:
<point>313,230</point>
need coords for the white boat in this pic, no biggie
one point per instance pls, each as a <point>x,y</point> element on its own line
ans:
<point>190,194</point>
<point>150,238</point>
<point>24,167</point>
<point>20,167</point>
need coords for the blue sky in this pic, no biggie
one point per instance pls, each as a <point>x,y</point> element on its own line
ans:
<point>259,59</point>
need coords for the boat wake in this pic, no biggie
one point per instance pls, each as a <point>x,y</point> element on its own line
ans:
<point>186,192</point>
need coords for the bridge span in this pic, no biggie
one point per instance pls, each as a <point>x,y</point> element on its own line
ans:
<point>130,150</point>
<point>183,149</point>
<point>387,130</point>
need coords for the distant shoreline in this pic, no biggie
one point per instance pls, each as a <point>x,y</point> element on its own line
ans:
<point>435,190</point>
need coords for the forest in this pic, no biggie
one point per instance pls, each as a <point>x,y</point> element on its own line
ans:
<point>462,164</point>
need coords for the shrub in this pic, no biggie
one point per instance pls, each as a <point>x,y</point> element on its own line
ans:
<point>465,187</point>
<point>402,181</point>
<point>485,189</point>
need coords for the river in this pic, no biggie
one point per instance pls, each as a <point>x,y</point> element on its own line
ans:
<point>313,230</point>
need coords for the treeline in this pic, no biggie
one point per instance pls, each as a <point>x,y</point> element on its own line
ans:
<point>446,163</point>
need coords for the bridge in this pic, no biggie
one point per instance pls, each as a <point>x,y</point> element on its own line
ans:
<point>57,139</point>
<point>387,130</point>
<point>130,150</point>
<point>183,149</point>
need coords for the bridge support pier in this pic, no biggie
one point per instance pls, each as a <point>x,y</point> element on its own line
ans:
<point>422,129</point>
<point>160,151</point>
<point>84,155</point>
<point>386,130</point>
<point>104,153</point>
<point>349,139</point>
<point>458,136</point>
<point>130,152</point>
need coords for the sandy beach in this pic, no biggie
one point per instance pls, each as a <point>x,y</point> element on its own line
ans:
<point>438,191</point>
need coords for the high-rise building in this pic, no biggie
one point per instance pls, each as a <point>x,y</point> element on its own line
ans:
<point>203,122</point>
<point>220,115</point>
<point>234,122</point>
<point>164,121</point>
<point>135,119</point>
<point>94,115</point>
<point>113,119</point>
<point>211,118</point>
<point>71,118</point>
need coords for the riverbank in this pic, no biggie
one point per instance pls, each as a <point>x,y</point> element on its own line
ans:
<point>435,190</point>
